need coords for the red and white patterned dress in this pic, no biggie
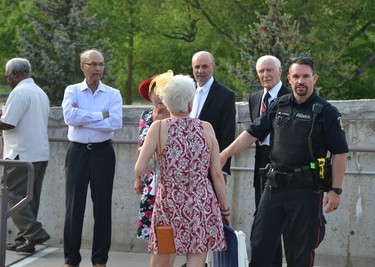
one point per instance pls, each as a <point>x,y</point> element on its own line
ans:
<point>193,209</point>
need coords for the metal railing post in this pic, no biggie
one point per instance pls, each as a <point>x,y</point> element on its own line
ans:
<point>5,213</point>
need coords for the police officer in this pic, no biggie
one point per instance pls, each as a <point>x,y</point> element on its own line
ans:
<point>303,127</point>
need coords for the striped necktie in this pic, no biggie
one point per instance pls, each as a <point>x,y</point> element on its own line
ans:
<point>265,102</point>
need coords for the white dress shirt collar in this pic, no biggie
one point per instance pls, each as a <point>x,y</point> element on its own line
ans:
<point>206,87</point>
<point>85,86</point>
<point>274,91</point>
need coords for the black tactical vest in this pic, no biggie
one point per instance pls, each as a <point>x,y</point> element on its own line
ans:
<point>291,127</point>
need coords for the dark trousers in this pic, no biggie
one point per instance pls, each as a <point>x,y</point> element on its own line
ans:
<point>97,168</point>
<point>26,218</point>
<point>301,210</point>
<point>262,158</point>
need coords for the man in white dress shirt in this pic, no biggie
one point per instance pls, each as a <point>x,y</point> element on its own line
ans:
<point>92,111</point>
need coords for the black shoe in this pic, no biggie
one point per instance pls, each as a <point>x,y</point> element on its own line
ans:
<point>30,250</point>
<point>12,246</point>
<point>29,245</point>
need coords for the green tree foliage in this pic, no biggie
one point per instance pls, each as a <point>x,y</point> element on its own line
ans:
<point>10,15</point>
<point>224,24</point>
<point>60,31</point>
<point>154,36</point>
<point>123,24</point>
<point>340,35</point>
<point>142,41</point>
<point>173,30</point>
<point>168,39</point>
<point>142,37</point>
<point>275,34</point>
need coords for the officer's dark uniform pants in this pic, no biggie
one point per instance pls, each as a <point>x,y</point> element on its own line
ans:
<point>262,158</point>
<point>97,168</point>
<point>301,208</point>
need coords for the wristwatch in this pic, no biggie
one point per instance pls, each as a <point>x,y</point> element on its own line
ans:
<point>337,190</point>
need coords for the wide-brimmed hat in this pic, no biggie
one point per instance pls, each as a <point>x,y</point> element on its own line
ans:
<point>144,87</point>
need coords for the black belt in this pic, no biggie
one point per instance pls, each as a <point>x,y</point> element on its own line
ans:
<point>91,146</point>
<point>301,176</point>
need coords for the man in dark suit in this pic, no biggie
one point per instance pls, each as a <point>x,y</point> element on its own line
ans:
<point>213,102</point>
<point>269,73</point>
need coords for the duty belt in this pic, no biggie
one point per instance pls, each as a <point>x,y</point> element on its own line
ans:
<point>300,176</point>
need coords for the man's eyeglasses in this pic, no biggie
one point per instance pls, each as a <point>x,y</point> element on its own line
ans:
<point>94,64</point>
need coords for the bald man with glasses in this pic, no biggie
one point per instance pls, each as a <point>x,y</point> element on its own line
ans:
<point>93,112</point>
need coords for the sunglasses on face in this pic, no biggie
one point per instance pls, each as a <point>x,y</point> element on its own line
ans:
<point>302,60</point>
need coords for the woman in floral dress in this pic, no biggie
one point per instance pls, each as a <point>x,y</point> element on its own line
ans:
<point>187,149</point>
<point>157,112</point>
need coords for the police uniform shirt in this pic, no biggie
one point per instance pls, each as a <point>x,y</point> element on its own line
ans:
<point>328,124</point>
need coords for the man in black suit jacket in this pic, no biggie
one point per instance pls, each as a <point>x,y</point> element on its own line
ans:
<point>213,102</point>
<point>216,104</point>
<point>269,73</point>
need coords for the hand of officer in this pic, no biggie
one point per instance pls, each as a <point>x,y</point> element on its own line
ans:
<point>331,202</point>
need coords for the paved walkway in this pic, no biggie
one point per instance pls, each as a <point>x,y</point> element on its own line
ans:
<point>53,257</point>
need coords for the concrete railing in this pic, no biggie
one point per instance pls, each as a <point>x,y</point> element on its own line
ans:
<point>350,235</point>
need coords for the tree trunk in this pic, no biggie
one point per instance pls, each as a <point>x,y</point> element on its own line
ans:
<point>129,80</point>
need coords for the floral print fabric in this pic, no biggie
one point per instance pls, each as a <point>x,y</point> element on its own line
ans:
<point>147,199</point>
<point>185,198</point>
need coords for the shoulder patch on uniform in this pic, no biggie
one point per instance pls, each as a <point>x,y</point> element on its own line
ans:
<point>339,120</point>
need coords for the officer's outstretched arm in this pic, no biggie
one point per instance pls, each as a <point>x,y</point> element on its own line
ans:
<point>242,142</point>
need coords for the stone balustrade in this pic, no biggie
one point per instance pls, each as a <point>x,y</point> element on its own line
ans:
<point>350,235</point>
